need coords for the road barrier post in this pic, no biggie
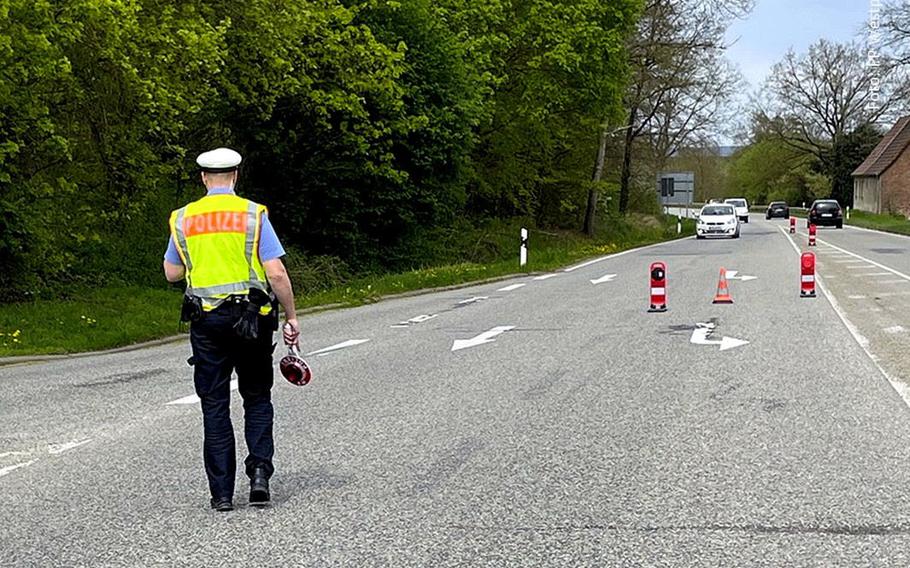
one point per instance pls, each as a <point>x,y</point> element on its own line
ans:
<point>807,275</point>
<point>848,213</point>
<point>658,287</point>
<point>523,249</point>
<point>678,225</point>
<point>792,225</point>
<point>812,231</point>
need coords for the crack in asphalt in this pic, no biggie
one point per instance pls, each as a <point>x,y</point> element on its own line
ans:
<point>897,529</point>
<point>122,378</point>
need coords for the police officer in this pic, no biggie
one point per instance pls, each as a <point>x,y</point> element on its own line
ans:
<point>227,250</point>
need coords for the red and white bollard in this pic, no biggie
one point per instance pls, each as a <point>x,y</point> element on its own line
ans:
<point>807,275</point>
<point>812,231</point>
<point>792,225</point>
<point>658,287</point>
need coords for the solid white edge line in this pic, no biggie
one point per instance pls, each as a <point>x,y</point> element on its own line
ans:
<point>855,228</point>
<point>546,276</point>
<point>512,287</point>
<point>618,254</point>
<point>902,390</point>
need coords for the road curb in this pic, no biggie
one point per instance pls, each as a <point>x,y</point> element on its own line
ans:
<point>25,359</point>
<point>28,359</point>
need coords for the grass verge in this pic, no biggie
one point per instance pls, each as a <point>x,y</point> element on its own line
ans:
<point>888,223</point>
<point>96,319</point>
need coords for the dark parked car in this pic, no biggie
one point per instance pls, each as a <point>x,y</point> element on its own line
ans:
<point>826,212</point>
<point>778,209</point>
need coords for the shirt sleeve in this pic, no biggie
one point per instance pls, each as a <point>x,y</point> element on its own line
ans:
<point>171,255</point>
<point>269,246</point>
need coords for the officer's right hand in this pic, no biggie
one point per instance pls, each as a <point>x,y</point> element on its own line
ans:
<point>291,331</point>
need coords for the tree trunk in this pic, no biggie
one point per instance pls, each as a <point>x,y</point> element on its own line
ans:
<point>590,212</point>
<point>626,176</point>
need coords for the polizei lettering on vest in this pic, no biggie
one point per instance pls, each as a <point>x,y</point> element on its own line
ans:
<point>215,222</point>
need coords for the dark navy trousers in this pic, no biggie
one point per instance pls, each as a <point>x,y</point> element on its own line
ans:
<point>218,351</point>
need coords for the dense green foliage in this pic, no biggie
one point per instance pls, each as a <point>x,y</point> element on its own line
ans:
<point>372,129</point>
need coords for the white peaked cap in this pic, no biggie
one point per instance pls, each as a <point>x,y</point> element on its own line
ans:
<point>219,160</point>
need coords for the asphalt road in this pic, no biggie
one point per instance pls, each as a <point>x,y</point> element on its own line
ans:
<point>590,433</point>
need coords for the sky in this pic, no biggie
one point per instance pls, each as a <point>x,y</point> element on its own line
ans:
<point>774,26</point>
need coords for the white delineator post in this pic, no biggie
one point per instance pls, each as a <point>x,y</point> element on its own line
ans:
<point>523,250</point>
<point>848,212</point>
<point>678,225</point>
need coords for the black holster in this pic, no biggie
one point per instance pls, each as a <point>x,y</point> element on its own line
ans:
<point>191,310</point>
<point>247,326</point>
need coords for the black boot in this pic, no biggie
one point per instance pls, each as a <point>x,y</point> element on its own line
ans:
<point>222,504</point>
<point>259,488</point>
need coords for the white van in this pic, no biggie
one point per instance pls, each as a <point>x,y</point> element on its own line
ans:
<point>741,207</point>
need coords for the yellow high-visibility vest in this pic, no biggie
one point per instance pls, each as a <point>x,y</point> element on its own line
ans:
<point>217,238</point>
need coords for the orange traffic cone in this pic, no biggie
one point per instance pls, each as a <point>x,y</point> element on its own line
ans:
<point>723,294</point>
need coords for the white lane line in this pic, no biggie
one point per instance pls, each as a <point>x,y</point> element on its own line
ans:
<point>193,399</point>
<point>512,287</point>
<point>337,346</point>
<point>890,294</point>
<point>604,278</point>
<point>546,276</point>
<point>11,468</point>
<point>895,329</point>
<point>472,300</point>
<point>848,261</point>
<point>7,454</point>
<point>857,297</point>
<point>415,320</point>
<point>485,337</point>
<point>900,388</point>
<point>864,274</point>
<point>892,281</point>
<point>858,267</point>
<point>57,449</point>
<point>618,254</point>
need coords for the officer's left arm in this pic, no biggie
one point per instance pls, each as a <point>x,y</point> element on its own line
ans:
<point>174,272</point>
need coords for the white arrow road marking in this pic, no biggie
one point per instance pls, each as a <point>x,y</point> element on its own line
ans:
<point>193,399</point>
<point>512,287</point>
<point>337,346</point>
<point>604,278</point>
<point>11,468</point>
<point>700,337</point>
<point>732,275</point>
<point>57,449</point>
<point>546,276</point>
<point>472,300</point>
<point>485,337</point>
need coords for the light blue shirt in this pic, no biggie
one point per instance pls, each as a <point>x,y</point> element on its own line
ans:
<point>269,246</point>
